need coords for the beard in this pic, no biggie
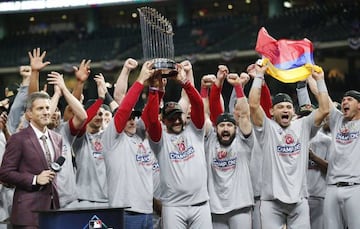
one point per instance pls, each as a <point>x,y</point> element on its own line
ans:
<point>225,142</point>
<point>53,125</point>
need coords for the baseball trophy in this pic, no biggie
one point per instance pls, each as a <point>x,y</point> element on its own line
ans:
<point>157,41</point>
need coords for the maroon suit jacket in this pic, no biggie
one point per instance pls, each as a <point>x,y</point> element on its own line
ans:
<point>24,158</point>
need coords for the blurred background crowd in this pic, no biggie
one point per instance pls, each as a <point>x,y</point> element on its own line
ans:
<point>207,32</point>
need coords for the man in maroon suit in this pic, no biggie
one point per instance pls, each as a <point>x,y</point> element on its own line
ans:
<point>26,165</point>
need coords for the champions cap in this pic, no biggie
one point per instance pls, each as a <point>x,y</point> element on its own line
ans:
<point>281,97</point>
<point>354,94</point>
<point>170,109</point>
<point>225,117</point>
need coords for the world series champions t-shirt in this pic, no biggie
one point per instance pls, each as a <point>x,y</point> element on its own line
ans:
<point>229,181</point>
<point>91,180</point>
<point>183,176</point>
<point>129,168</point>
<point>344,156</point>
<point>285,158</point>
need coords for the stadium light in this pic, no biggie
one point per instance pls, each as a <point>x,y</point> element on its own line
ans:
<point>18,6</point>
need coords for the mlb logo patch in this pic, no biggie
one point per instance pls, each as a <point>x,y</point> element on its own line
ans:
<point>95,224</point>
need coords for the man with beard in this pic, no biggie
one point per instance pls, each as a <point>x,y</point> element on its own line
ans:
<point>181,156</point>
<point>285,145</point>
<point>228,151</point>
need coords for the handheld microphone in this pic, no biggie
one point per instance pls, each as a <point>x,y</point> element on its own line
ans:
<point>56,165</point>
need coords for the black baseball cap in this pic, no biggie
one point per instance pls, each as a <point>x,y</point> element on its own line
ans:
<point>135,113</point>
<point>281,97</point>
<point>225,117</point>
<point>92,101</point>
<point>170,109</point>
<point>354,94</point>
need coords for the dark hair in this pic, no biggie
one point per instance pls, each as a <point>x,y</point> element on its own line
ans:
<point>34,96</point>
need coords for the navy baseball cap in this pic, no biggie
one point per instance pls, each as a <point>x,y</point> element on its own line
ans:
<point>225,117</point>
<point>281,97</point>
<point>170,109</point>
<point>354,94</point>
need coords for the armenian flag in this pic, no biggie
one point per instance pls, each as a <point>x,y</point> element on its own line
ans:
<point>289,61</point>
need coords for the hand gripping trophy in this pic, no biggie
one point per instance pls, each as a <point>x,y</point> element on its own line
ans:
<point>157,41</point>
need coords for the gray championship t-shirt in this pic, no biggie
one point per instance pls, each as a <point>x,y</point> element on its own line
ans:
<point>129,168</point>
<point>285,158</point>
<point>183,179</point>
<point>344,159</point>
<point>91,180</point>
<point>66,178</point>
<point>229,181</point>
<point>320,145</point>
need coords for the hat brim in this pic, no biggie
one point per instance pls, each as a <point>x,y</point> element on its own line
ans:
<point>172,113</point>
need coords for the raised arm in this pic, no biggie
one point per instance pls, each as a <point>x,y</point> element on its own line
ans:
<point>108,100</point>
<point>122,80</point>
<point>323,97</point>
<point>82,74</point>
<point>256,111</point>
<point>128,103</point>
<point>242,106</point>
<point>216,104</point>
<point>197,106</point>
<point>80,115</point>
<point>150,114</point>
<point>313,88</point>
<point>265,98</point>
<point>93,109</point>
<point>17,109</point>
<point>37,64</point>
<point>184,100</point>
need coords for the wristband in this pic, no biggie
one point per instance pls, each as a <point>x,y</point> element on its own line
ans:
<point>204,92</point>
<point>300,84</point>
<point>108,99</point>
<point>184,81</point>
<point>239,91</point>
<point>321,86</point>
<point>153,89</point>
<point>257,83</point>
<point>260,75</point>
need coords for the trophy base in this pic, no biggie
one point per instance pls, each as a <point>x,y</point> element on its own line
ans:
<point>166,66</point>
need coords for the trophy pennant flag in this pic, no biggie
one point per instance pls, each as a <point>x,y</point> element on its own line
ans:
<point>289,61</point>
<point>157,40</point>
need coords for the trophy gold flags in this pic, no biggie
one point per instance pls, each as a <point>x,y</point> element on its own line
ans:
<point>157,40</point>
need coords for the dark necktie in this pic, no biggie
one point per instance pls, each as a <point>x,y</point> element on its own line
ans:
<point>47,151</point>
